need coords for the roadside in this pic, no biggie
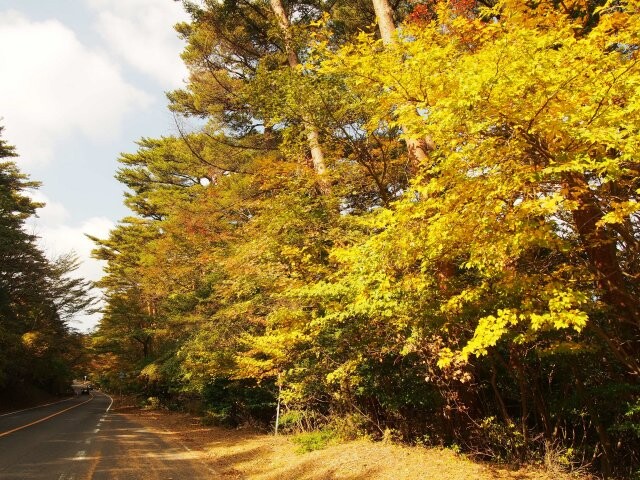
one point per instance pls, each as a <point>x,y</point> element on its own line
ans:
<point>247,454</point>
<point>26,397</point>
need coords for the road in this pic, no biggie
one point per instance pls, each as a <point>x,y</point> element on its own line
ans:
<point>79,439</point>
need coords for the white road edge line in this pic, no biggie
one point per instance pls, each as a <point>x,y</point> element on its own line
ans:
<point>37,406</point>
<point>107,410</point>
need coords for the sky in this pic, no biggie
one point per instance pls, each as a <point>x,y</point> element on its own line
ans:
<point>81,81</point>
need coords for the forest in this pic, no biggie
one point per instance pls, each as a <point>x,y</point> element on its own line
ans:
<point>411,220</point>
<point>39,351</point>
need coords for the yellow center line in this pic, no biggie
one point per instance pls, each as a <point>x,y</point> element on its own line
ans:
<point>43,419</point>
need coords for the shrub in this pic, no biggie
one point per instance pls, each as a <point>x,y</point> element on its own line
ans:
<point>310,441</point>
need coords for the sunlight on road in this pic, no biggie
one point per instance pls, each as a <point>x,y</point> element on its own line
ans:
<point>175,455</point>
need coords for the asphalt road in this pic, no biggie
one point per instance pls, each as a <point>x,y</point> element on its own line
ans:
<point>79,439</point>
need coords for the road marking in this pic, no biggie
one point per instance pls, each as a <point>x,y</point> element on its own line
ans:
<point>37,406</point>
<point>81,455</point>
<point>87,441</point>
<point>107,410</point>
<point>43,419</point>
<point>96,430</point>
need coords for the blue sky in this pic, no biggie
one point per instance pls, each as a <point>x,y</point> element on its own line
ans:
<point>81,81</point>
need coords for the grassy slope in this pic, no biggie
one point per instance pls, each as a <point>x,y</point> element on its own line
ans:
<point>243,454</point>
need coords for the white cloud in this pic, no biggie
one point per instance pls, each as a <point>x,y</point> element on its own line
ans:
<point>58,238</point>
<point>53,213</point>
<point>53,87</point>
<point>141,32</point>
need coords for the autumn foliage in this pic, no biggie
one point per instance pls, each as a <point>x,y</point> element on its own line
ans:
<point>485,297</point>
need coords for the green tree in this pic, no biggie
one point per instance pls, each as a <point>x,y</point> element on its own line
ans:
<point>38,297</point>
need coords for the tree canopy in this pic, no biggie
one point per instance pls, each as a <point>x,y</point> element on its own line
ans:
<point>38,296</point>
<point>483,292</point>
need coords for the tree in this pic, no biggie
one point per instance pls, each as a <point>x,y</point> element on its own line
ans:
<point>487,297</point>
<point>38,297</point>
<point>294,63</point>
<point>530,197</point>
<point>418,148</point>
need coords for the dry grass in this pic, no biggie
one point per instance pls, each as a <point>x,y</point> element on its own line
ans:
<point>246,454</point>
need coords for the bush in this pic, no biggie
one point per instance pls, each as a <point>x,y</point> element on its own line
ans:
<point>238,402</point>
<point>500,441</point>
<point>151,403</point>
<point>299,421</point>
<point>310,441</point>
<point>350,426</point>
<point>217,419</point>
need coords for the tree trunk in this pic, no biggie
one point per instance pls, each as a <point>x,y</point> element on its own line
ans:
<point>317,156</point>
<point>313,136</point>
<point>384,15</point>
<point>417,148</point>
<point>600,247</point>
<point>539,402</point>
<point>592,408</point>
<point>521,378</point>
<point>285,27</point>
<point>494,385</point>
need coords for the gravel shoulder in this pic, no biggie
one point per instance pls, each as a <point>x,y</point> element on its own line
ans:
<point>248,454</point>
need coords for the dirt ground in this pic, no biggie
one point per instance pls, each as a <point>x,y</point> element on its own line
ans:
<point>246,454</point>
